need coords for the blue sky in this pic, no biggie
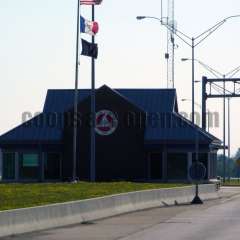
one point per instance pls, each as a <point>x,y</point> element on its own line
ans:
<point>37,47</point>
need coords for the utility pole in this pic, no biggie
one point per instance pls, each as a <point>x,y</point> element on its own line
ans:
<point>170,55</point>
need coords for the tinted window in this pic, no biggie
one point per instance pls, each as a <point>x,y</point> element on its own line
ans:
<point>8,166</point>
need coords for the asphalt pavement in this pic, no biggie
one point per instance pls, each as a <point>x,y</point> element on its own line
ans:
<point>214,220</point>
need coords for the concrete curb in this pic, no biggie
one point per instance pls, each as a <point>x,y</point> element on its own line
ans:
<point>59,215</point>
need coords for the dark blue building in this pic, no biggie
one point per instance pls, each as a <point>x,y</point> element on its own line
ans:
<point>140,135</point>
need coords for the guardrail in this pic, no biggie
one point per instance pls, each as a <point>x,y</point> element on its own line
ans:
<point>64,214</point>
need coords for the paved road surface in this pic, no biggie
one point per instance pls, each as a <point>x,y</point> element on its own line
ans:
<point>215,220</point>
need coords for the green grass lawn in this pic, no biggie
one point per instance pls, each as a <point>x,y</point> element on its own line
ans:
<point>14,196</point>
<point>232,182</point>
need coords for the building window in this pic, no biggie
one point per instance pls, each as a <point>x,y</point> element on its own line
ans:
<point>213,166</point>
<point>29,166</point>
<point>8,166</point>
<point>156,166</point>
<point>52,166</point>
<point>177,164</point>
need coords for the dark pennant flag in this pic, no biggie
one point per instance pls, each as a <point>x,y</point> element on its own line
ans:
<point>89,49</point>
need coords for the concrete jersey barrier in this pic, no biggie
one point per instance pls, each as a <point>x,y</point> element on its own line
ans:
<point>58,215</point>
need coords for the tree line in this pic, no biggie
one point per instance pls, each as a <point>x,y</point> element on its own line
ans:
<point>232,169</point>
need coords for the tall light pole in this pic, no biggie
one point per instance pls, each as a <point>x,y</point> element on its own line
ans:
<point>229,139</point>
<point>197,199</point>
<point>224,129</point>
<point>192,42</point>
<point>206,66</point>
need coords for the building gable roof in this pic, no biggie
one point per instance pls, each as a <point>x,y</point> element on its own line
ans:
<point>163,101</point>
<point>174,127</point>
<point>149,100</point>
<point>36,130</point>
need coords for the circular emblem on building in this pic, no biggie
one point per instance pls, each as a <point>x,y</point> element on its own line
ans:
<point>106,122</point>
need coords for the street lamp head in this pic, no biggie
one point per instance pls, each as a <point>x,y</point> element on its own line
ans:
<point>140,17</point>
<point>184,100</point>
<point>184,59</point>
<point>234,16</point>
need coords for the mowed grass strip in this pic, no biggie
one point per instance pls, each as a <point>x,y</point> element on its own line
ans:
<point>13,196</point>
<point>232,182</point>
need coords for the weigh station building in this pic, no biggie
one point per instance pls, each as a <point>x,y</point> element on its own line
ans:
<point>140,135</point>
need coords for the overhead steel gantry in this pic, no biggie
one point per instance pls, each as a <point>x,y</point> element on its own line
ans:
<point>216,88</point>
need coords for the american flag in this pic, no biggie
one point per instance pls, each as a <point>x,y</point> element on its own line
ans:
<point>90,2</point>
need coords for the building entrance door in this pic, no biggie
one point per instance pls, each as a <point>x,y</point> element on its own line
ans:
<point>52,166</point>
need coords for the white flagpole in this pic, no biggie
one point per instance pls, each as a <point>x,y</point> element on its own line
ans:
<point>93,113</point>
<point>75,120</point>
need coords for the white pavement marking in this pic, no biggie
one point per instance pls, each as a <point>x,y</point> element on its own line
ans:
<point>214,223</point>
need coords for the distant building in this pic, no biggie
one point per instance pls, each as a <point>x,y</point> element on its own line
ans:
<point>139,136</point>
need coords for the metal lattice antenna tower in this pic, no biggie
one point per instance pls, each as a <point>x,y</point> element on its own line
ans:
<point>170,54</point>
